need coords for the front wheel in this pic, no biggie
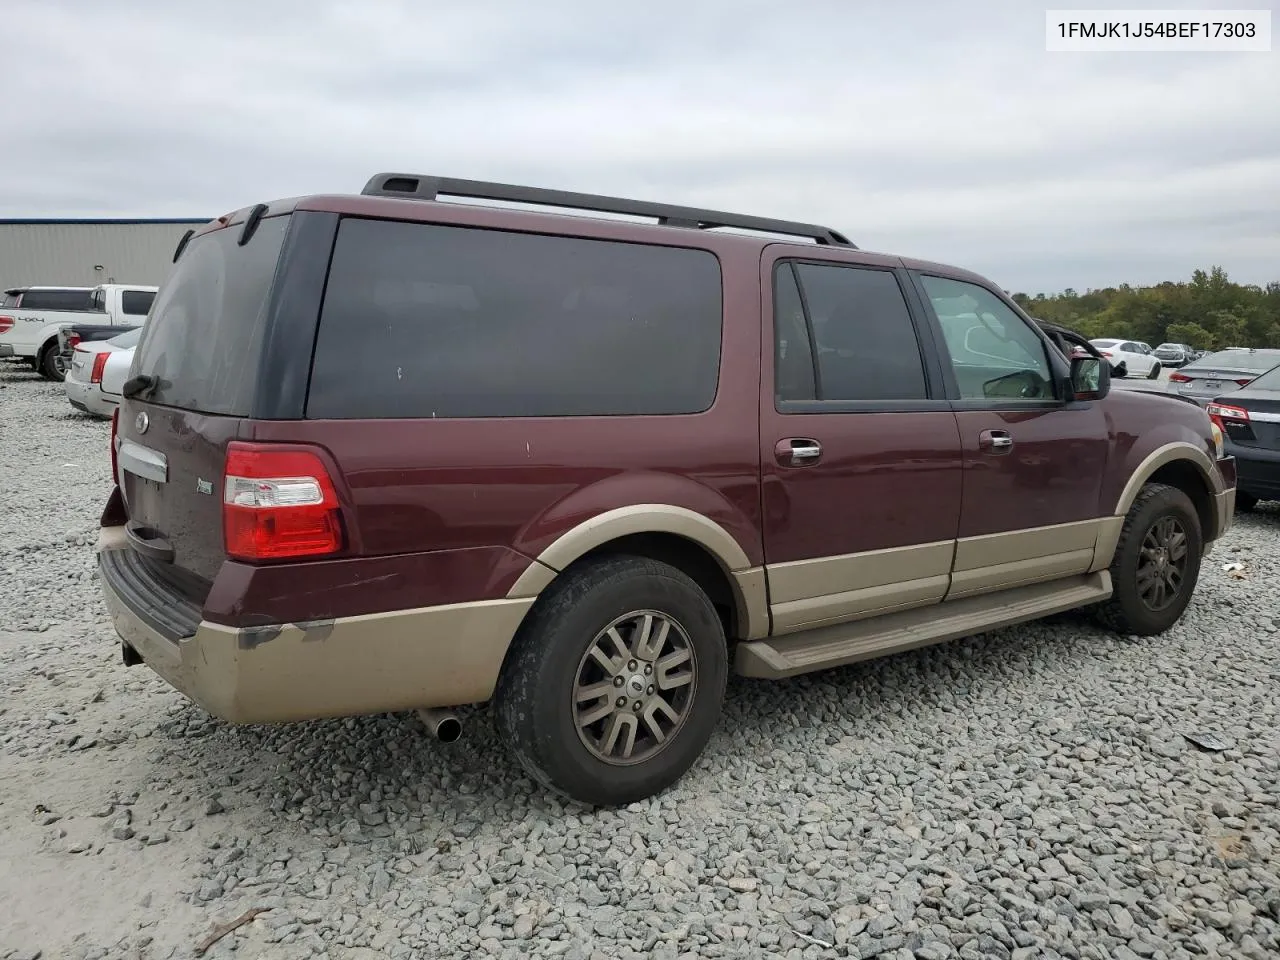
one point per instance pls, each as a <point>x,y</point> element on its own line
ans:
<point>1156,563</point>
<point>1154,372</point>
<point>614,683</point>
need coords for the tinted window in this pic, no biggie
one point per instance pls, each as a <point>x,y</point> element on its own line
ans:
<point>136,302</point>
<point>9,300</point>
<point>422,320</point>
<point>793,360</point>
<point>206,325</point>
<point>995,354</point>
<point>129,339</point>
<point>863,336</point>
<point>55,299</point>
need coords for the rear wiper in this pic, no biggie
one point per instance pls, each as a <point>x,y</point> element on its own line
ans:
<point>137,387</point>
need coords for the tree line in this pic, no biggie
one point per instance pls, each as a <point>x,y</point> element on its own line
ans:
<point>1209,313</point>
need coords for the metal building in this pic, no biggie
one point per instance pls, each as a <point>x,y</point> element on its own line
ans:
<point>84,253</point>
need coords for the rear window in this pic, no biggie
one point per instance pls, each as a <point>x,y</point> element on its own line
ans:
<point>125,340</point>
<point>206,324</point>
<point>136,302</point>
<point>57,300</point>
<point>421,320</point>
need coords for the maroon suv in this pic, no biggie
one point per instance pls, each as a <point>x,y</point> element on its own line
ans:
<point>385,452</point>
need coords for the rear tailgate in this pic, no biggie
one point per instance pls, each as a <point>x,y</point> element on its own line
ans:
<point>198,353</point>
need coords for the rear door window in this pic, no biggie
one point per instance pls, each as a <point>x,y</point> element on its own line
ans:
<point>205,331</point>
<point>423,321</point>
<point>136,303</point>
<point>55,299</point>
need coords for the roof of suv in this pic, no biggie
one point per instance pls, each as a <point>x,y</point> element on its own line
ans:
<point>418,197</point>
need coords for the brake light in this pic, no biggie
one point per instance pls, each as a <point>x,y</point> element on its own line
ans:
<point>1245,382</point>
<point>99,364</point>
<point>73,341</point>
<point>278,503</point>
<point>1176,377</point>
<point>1218,412</point>
<point>115,431</point>
<point>6,324</point>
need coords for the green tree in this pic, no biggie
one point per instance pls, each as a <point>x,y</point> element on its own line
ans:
<point>1192,334</point>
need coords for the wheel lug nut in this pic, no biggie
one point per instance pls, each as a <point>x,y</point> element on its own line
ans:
<point>622,701</point>
<point>650,690</point>
<point>648,669</point>
<point>617,681</point>
<point>632,666</point>
<point>636,706</point>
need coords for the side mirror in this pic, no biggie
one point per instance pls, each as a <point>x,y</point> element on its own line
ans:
<point>1090,378</point>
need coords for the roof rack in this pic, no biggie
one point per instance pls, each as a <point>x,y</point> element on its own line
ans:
<point>412,186</point>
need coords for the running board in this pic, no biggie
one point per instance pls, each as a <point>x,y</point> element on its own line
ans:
<point>834,646</point>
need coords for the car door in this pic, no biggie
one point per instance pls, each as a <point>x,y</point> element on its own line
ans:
<point>1033,463</point>
<point>860,454</point>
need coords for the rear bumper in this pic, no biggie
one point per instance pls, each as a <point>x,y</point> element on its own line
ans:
<point>378,663</point>
<point>1258,472</point>
<point>88,397</point>
<point>6,350</point>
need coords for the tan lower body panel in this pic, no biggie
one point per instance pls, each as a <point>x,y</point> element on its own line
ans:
<point>845,643</point>
<point>431,657</point>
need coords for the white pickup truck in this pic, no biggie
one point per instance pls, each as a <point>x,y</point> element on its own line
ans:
<point>31,318</point>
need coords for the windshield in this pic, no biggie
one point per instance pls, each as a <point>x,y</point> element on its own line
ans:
<point>1240,360</point>
<point>129,339</point>
<point>203,333</point>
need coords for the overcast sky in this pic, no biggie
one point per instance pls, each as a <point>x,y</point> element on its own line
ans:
<point>941,130</point>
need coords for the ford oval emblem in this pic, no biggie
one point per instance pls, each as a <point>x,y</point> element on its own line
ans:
<point>142,422</point>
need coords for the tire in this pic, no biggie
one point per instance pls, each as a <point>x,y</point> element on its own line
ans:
<point>1128,611</point>
<point>1154,372</point>
<point>1245,502</point>
<point>537,697</point>
<point>50,365</point>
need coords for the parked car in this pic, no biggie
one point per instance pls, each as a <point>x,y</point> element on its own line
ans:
<point>1250,421</point>
<point>97,373</point>
<point>32,332</point>
<point>387,452</point>
<point>1174,354</point>
<point>129,311</point>
<point>1217,374</point>
<point>1138,358</point>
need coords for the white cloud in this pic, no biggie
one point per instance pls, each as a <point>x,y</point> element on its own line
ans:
<point>936,130</point>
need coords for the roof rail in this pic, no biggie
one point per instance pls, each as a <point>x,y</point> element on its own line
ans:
<point>412,186</point>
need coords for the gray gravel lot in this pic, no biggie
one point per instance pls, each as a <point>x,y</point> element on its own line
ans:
<point>1027,793</point>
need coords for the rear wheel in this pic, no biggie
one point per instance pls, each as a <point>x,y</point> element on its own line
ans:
<point>51,364</point>
<point>615,682</point>
<point>1156,563</point>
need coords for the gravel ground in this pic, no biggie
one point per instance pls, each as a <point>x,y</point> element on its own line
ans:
<point>1028,793</point>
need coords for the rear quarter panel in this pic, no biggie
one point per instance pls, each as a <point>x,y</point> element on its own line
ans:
<point>448,511</point>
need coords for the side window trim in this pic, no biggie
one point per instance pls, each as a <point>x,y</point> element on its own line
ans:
<point>937,385</point>
<point>1058,367</point>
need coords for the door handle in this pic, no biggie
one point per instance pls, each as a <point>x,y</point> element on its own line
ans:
<point>797,452</point>
<point>997,441</point>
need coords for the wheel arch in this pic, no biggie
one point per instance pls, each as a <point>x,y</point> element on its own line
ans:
<point>693,543</point>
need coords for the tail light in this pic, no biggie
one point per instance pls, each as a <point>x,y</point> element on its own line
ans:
<point>1176,377</point>
<point>99,364</point>
<point>115,431</point>
<point>1244,382</point>
<point>1220,412</point>
<point>73,341</point>
<point>277,503</point>
<point>6,324</point>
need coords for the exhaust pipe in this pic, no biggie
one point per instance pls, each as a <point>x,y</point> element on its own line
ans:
<point>443,725</point>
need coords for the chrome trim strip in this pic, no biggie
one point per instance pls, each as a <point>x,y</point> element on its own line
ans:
<point>143,461</point>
